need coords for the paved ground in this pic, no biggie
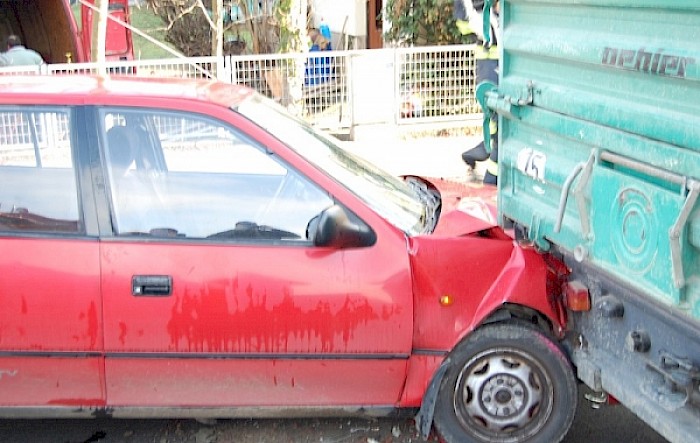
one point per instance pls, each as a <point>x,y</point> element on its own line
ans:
<point>428,156</point>
<point>609,424</point>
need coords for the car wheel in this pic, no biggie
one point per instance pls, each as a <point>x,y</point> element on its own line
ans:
<point>506,383</point>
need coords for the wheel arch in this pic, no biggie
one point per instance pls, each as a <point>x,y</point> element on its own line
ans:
<point>510,312</point>
<point>507,313</point>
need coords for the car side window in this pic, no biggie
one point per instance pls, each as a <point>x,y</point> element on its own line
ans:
<point>185,176</point>
<point>38,191</point>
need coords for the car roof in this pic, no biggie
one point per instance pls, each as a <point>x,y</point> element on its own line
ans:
<point>95,88</point>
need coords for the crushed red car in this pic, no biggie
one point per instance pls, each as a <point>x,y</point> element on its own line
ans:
<point>179,248</point>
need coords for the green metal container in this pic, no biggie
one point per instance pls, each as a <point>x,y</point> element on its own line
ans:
<point>599,105</point>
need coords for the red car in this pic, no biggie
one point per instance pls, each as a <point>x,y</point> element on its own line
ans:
<point>172,248</point>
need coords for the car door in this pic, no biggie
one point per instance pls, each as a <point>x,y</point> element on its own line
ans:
<point>214,295</point>
<point>50,310</point>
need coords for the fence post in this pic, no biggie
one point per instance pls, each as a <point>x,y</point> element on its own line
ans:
<point>398,67</point>
<point>222,73</point>
<point>233,72</point>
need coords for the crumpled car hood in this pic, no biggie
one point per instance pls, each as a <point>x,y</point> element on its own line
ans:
<point>466,207</point>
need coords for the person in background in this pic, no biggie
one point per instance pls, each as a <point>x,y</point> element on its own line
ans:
<point>469,16</point>
<point>17,55</point>
<point>318,41</point>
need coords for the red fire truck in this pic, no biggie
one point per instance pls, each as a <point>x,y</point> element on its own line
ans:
<point>50,28</point>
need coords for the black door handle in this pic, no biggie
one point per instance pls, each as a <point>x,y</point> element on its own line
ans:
<point>155,285</point>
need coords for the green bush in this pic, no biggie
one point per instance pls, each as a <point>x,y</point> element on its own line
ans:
<point>421,23</point>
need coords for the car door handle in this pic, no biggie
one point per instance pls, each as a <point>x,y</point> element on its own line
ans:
<point>151,285</point>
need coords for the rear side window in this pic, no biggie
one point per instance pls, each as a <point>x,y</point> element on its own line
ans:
<point>38,191</point>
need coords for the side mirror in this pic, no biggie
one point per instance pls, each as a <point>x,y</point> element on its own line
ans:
<point>338,228</point>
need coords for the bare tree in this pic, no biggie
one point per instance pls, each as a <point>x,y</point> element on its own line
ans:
<point>100,31</point>
<point>191,25</point>
<point>296,22</point>
<point>232,27</point>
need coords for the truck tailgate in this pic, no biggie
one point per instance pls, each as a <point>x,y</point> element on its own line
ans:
<point>600,137</point>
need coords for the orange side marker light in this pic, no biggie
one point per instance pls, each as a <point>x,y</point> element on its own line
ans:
<point>576,296</point>
<point>446,300</point>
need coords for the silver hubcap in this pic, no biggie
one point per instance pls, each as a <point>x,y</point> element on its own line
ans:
<point>500,393</point>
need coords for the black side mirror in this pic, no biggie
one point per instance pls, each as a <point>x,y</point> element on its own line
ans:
<point>336,227</point>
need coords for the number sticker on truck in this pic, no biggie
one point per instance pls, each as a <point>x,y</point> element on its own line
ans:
<point>532,163</point>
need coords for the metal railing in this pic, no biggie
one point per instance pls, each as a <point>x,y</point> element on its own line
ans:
<point>318,80</point>
<point>191,67</point>
<point>435,83</point>
<point>431,84</point>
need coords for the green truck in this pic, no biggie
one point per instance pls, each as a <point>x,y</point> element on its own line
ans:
<point>598,105</point>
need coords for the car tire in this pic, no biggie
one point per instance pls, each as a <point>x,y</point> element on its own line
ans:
<point>506,383</point>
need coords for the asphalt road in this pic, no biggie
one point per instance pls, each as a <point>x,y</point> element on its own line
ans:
<point>609,424</point>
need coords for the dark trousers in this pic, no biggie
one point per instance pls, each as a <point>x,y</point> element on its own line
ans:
<point>486,70</point>
<point>478,154</point>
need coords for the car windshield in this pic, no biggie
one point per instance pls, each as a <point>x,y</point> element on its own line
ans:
<point>389,196</point>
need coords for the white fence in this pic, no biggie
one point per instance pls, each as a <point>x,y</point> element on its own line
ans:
<point>337,89</point>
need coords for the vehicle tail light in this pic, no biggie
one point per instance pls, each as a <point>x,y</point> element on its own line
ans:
<point>576,296</point>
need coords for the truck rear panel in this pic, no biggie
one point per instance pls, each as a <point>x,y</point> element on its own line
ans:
<point>599,106</point>
<point>605,160</point>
